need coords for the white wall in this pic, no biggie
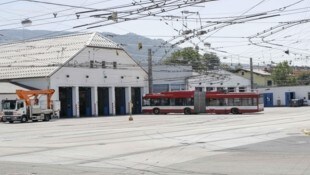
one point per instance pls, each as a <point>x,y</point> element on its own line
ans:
<point>127,68</point>
<point>279,93</point>
<point>127,74</point>
<point>168,74</point>
<point>38,83</point>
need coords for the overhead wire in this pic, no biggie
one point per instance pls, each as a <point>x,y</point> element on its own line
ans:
<point>299,1</point>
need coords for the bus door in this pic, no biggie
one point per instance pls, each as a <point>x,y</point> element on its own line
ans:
<point>200,102</point>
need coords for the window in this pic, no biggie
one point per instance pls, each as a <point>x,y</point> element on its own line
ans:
<point>165,102</point>
<point>177,87</point>
<point>183,87</point>
<point>146,102</point>
<point>210,89</point>
<point>190,101</point>
<point>220,89</point>
<point>237,102</point>
<point>179,101</point>
<point>230,102</point>
<point>198,89</point>
<point>308,95</point>
<point>269,82</point>
<point>231,89</point>
<point>242,73</point>
<point>157,88</point>
<point>241,89</point>
<point>20,105</point>
<point>9,104</point>
<point>155,102</point>
<point>212,102</point>
<point>160,102</point>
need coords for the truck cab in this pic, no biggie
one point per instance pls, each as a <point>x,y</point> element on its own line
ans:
<point>27,107</point>
<point>13,110</point>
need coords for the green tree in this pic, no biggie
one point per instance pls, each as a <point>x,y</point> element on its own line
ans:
<point>211,61</point>
<point>190,56</point>
<point>186,56</point>
<point>282,74</point>
<point>304,78</point>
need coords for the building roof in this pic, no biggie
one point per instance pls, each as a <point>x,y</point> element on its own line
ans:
<point>219,77</point>
<point>10,88</point>
<point>42,57</point>
<point>258,71</point>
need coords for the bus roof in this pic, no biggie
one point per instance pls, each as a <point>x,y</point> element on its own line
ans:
<point>190,94</point>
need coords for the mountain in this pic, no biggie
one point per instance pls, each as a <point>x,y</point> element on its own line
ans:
<point>128,41</point>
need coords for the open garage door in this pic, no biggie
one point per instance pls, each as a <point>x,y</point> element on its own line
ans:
<point>120,101</point>
<point>136,100</point>
<point>103,101</point>
<point>65,98</point>
<point>85,101</point>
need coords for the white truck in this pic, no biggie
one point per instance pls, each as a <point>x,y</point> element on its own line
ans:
<point>27,107</point>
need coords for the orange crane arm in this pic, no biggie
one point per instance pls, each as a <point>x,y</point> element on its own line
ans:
<point>26,95</point>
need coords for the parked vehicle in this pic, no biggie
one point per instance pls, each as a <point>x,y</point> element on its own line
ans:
<point>189,102</point>
<point>27,107</point>
<point>297,102</point>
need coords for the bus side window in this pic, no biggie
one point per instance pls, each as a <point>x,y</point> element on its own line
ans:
<point>222,102</point>
<point>173,101</point>
<point>155,102</point>
<point>237,102</point>
<point>147,102</point>
<point>165,102</point>
<point>178,102</point>
<point>230,102</point>
<point>191,101</point>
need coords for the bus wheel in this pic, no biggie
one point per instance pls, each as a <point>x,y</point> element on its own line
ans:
<point>24,119</point>
<point>156,111</point>
<point>187,111</point>
<point>235,111</point>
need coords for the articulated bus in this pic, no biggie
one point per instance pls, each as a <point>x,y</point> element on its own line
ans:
<point>190,102</point>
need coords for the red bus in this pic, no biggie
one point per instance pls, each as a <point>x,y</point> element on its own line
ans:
<point>189,102</point>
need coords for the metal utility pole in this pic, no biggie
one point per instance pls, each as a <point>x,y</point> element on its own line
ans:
<point>150,71</point>
<point>251,72</point>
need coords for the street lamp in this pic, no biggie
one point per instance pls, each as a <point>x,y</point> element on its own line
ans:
<point>26,22</point>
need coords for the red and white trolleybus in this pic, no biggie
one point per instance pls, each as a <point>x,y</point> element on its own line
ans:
<point>189,102</point>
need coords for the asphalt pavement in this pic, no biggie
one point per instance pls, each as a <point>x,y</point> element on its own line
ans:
<point>266,143</point>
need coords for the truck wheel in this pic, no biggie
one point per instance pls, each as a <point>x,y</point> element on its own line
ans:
<point>156,111</point>
<point>47,117</point>
<point>24,119</point>
<point>11,121</point>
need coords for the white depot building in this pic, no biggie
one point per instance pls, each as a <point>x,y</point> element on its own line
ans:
<point>91,75</point>
<point>219,80</point>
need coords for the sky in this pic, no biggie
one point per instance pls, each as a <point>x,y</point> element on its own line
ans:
<point>236,29</point>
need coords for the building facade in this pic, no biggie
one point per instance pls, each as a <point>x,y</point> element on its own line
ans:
<point>170,77</point>
<point>282,96</point>
<point>91,75</point>
<point>261,78</point>
<point>219,80</point>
